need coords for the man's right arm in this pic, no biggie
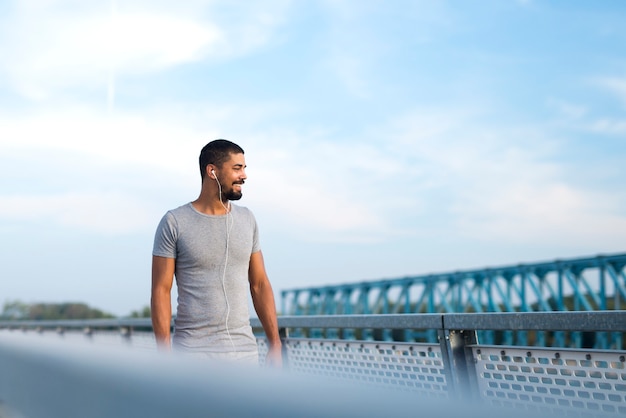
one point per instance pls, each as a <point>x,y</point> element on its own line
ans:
<point>161,299</point>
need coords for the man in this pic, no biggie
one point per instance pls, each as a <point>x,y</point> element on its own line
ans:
<point>212,248</point>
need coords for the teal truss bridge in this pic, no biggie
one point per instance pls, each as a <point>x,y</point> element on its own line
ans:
<point>579,284</point>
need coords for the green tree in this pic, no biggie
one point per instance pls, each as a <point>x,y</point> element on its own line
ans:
<point>143,313</point>
<point>16,310</point>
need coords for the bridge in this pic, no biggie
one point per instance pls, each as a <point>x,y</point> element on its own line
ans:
<point>363,364</point>
<point>579,284</point>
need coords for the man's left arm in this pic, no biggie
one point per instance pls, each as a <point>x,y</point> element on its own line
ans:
<point>265,307</point>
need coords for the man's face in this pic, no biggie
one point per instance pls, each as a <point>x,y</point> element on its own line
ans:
<point>232,176</point>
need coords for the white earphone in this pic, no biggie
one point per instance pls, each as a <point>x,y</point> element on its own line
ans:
<point>225,259</point>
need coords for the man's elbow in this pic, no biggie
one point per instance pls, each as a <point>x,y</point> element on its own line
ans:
<point>260,287</point>
<point>160,297</point>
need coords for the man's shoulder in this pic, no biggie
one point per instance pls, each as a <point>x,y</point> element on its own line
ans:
<point>242,210</point>
<point>174,216</point>
<point>180,211</point>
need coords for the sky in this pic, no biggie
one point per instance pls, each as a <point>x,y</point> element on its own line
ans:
<point>383,138</point>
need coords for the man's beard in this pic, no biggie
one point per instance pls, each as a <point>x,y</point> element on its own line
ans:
<point>232,194</point>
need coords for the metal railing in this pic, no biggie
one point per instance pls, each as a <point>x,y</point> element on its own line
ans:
<point>580,382</point>
<point>49,378</point>
<point>576,382</point>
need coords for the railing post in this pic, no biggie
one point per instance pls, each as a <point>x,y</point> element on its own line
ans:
<point>88,332</point>
<point>283,333</point>
<point>459,362</point>
<point>126,334</point>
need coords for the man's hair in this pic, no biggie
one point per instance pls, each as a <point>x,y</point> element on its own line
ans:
<point>217,153</point>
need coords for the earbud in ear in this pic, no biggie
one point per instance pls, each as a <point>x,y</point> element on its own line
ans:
<point>213,172</point>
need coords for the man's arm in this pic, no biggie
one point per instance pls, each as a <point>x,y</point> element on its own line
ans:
<point>265,307</point>
<point>161,299</point>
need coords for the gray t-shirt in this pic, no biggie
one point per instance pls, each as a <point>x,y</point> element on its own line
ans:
<point>212,259</point>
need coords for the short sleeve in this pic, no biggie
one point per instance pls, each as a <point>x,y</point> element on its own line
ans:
<point>256,242</point>
<point>165,237</point>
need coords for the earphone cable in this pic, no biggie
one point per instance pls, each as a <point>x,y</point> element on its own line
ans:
<point>228,228</point>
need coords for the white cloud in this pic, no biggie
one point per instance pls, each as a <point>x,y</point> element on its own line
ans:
<point>569,111</point>
<point>124,138</point>
<point>607,126</point>
<point>103,212</point>
<point>350,71</point>
<point>544,211</point>
<point>100,149</point>
<point>309,188</point>
<point>579,116</point>
<point>616,85</point>
<point>56,49</point>
<point>426,173</point>
<point>436,171</point>
<point>610,125</point>
<point>51,45</point>
<point>501,184</point>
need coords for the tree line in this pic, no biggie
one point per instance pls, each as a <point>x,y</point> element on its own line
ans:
<point>17,310</point>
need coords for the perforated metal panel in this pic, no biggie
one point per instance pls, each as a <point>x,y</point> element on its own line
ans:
<point>413,367</point>
<point>577,383</point>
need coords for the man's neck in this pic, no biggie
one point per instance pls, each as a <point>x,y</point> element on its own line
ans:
<point>211,205</point>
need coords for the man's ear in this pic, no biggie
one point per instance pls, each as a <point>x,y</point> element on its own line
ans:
<point>210,171</point>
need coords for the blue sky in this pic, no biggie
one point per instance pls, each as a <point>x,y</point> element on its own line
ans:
<point>382,139</point>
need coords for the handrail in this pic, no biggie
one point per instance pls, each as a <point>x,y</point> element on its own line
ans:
<point>455,367</point>
<point>610,321</point>
<point>78,323</point>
